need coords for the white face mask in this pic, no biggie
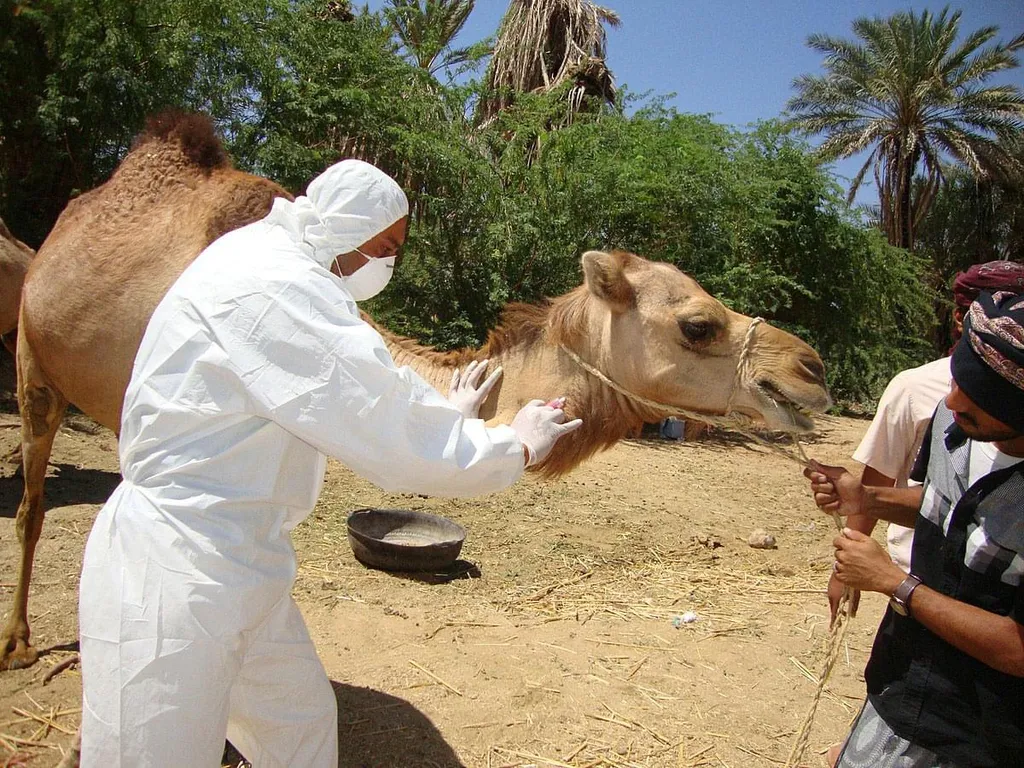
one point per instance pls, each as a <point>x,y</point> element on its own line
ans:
<point>371,278</point>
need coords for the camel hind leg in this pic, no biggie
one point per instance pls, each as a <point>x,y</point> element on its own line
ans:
<point>41,406</point>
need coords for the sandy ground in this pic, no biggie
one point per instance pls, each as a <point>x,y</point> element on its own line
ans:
<point>555,642</point>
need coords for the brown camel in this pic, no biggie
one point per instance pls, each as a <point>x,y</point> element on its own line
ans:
<point>15,258</point>
<point>115,251</point>
<point>92,287</point>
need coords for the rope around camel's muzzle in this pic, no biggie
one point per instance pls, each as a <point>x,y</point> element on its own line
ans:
<point>742,424</point>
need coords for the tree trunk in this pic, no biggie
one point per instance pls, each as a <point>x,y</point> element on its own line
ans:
<point>906,208</point>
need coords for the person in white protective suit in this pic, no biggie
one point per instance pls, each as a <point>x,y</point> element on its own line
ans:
<point>253,369</point>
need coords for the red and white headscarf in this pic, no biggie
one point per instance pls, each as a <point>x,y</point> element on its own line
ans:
<point>998,339</point>
<point>992,276</point>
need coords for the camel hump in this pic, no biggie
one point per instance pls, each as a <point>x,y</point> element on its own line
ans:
<point>193,132</point>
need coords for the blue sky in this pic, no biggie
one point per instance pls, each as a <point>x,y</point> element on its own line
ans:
<point>736,60</point>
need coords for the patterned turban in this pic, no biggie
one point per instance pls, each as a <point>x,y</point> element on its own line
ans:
<point>992,276</point>
<point>988,362</point>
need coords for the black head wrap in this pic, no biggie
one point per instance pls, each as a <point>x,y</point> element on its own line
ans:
<point>988,361</point>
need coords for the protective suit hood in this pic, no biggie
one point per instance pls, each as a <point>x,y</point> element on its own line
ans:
<point>343,207</point>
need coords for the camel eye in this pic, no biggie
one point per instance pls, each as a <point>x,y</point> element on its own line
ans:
<point>696,330</point>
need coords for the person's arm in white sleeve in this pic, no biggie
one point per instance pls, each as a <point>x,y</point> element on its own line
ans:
<point>313,367</point>
<point>892,432</point>
<point>884,447</point>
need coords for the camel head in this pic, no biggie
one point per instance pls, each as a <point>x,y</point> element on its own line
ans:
<point>656,333</point>
<point>648,329</point>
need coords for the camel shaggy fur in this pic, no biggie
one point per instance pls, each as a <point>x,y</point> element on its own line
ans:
<point>116,250</point>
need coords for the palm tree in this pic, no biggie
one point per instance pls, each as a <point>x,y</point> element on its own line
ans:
<point>543,44</point>
<point>911,94</point>
<point>426,29</point>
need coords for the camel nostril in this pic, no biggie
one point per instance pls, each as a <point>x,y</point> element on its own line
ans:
<point>814,369</point>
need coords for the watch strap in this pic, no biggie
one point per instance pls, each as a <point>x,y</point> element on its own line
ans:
<point>903,592</point>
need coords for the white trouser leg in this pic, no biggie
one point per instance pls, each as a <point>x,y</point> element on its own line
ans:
<point>160,646</point>
<point>172,650</point>
<point>283,709</point>
<point>155,716</point>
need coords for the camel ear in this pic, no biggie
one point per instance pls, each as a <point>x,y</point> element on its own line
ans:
<point>604,274</point>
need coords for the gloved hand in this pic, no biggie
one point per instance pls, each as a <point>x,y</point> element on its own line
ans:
<point>464,393</point>
<point>539,425</point>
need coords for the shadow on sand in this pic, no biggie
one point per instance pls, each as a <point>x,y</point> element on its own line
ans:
<point>69,485</point>
<point>722,440</point>
<point>460,569</point>
<point>377,730</point>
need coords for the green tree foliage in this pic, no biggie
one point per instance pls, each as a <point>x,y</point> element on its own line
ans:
<point>909,92</point>
<point>970,222</point>
<point>80,78</point>
<point>500,213</point>
<point>343,92</point>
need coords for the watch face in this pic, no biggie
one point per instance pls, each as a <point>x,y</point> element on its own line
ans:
<point>898,606</point>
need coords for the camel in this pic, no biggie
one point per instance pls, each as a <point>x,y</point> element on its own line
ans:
<point>114,251</point>
<point>648,328</point>
<point>15,257</point>
<point>92,287</point>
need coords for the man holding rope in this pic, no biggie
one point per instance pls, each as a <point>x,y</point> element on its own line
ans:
<point>893,439</point>
<point>946,675</point>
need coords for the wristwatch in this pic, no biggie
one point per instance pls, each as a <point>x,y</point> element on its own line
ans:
<point>900,600</point>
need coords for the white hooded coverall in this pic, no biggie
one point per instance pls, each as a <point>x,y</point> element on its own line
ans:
<point>253,369</point>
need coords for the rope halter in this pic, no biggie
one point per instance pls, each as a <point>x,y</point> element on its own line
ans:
<point>728,420</point>
<point>742,424</point>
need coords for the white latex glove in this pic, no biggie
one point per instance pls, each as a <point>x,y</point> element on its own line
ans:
<point>464,393</point>
<point>539,425</point>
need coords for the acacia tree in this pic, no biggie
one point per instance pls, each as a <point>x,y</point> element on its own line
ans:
<point>911,93</point>
<point>80,78</point>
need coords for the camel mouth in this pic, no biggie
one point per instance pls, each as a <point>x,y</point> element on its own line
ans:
<point>781,412</point>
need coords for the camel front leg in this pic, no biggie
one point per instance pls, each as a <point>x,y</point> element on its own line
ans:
<point>41,407</point>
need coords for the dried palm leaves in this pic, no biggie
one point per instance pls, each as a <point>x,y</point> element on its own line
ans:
<point>543,44</point>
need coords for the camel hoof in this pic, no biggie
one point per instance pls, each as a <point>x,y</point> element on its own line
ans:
<point>18,655</point>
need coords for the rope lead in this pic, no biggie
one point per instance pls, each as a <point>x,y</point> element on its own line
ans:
<point>742,424</point>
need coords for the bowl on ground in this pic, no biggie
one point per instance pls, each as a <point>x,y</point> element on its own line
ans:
<point>404,540</point>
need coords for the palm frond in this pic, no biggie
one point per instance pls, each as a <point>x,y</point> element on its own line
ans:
<point>906,87</point>
<point>426,28</point>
